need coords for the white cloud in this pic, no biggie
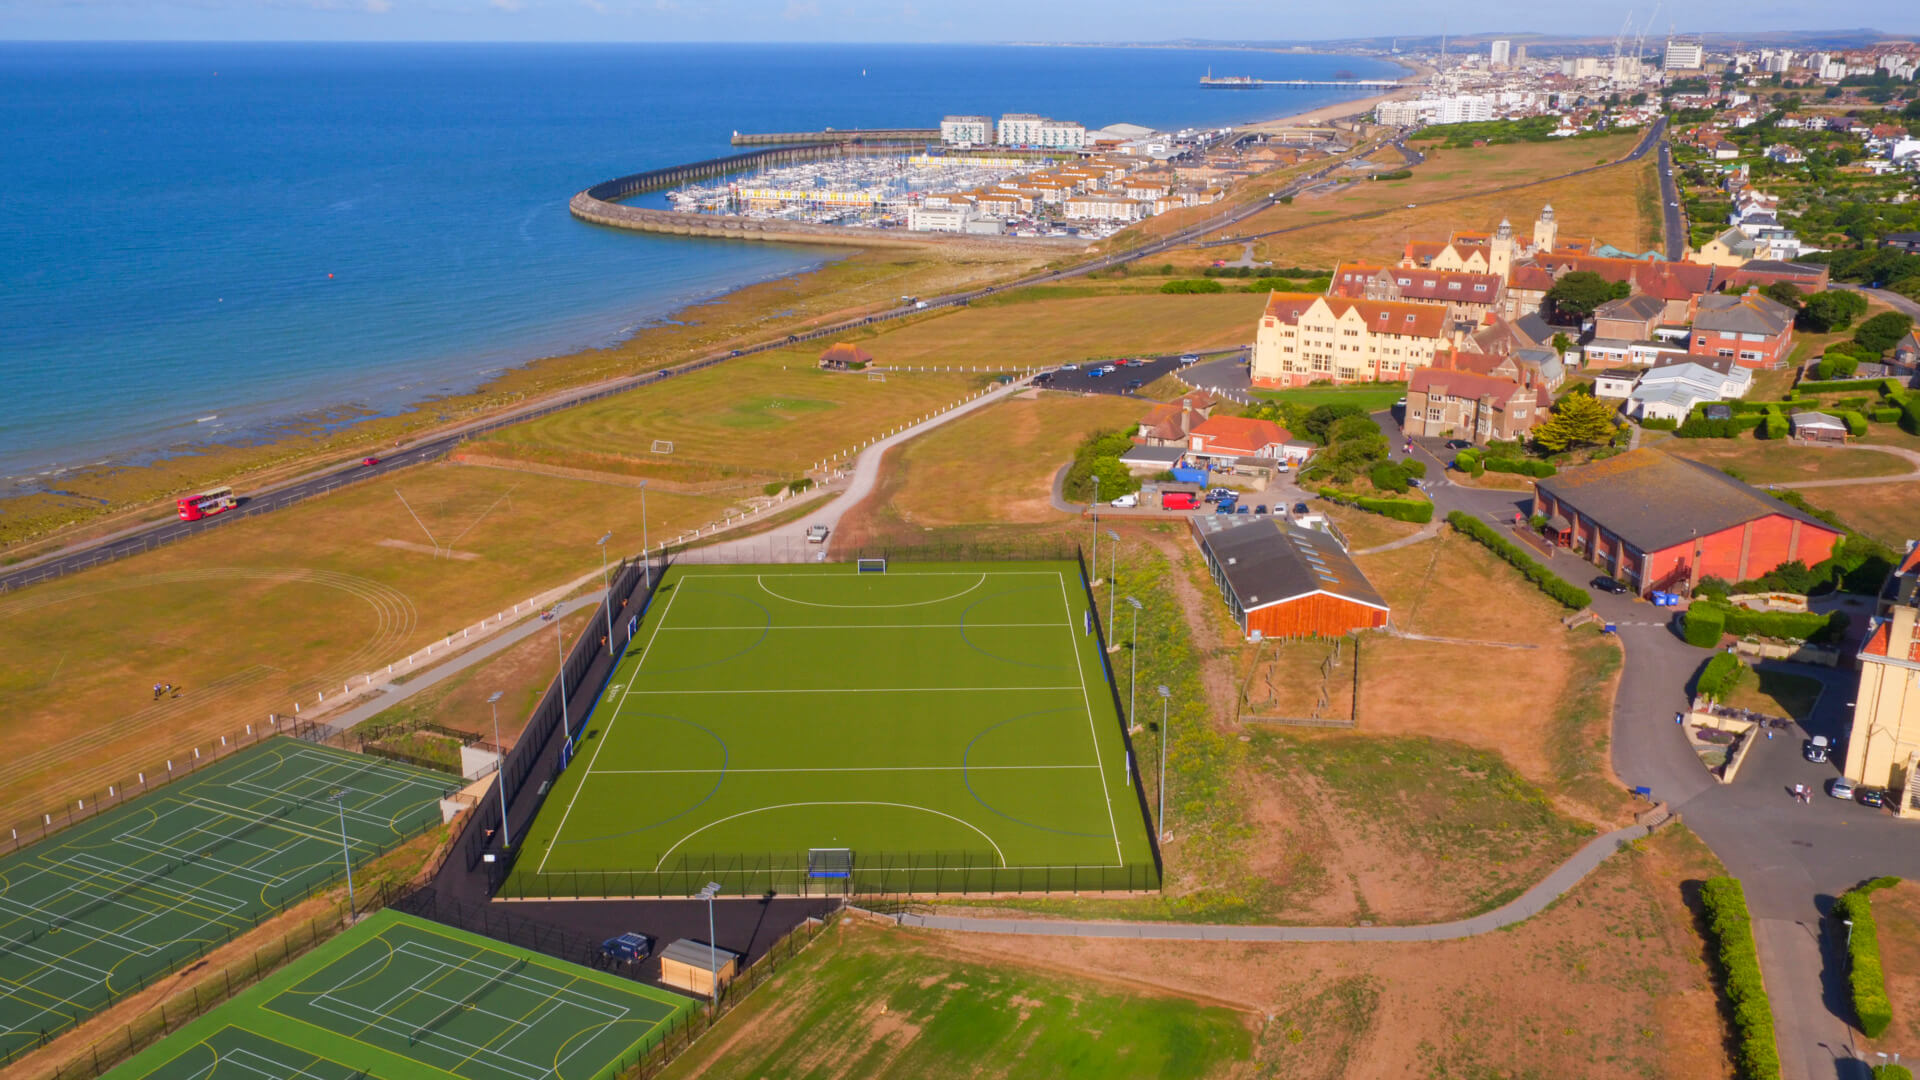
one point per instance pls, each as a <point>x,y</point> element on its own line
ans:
<point>802,9</point>
<point>376,7</point>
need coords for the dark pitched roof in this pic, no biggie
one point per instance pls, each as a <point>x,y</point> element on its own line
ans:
<point>1653,500</point>
<point>1747,313</point>
<point>1640,306</point>
<point>1267,561</point>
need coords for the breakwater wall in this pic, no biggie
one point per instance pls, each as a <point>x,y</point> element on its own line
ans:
<point>854,135</point>
<point>600,205</point>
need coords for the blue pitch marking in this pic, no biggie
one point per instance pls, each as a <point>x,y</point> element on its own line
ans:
<point>766,628</point>
<point>968,780</point>
<point>725,759</point>
<point>990,653</point>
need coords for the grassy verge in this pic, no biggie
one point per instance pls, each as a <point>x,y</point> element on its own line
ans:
<point>1581,731</point>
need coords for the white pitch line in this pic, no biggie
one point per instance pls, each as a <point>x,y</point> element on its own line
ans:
<point>879,626</point>
<point>1112,825</point>
<point>848,768</point>
<point>890,573</point>
<point>873,607</point>
<point>870,690</point>
<point>605,733</point>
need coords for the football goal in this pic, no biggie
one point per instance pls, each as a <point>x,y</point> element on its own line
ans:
<point>663,446</point>
<point>830,863</point>
<point>872,566</point>
<point>876,376</point>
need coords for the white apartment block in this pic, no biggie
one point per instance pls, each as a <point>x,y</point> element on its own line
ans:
<point>1031,129</point>
<point>1685,56</point>
<point>966,131</point>
<point>951,219</point>
<point>1398,113</point>
<point>1500,53</point>
<point>1463,109</point>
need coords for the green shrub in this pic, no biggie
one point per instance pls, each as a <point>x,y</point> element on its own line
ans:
<point>1856,423</point>
<point>795,487</point>
<point>1774,427</point>
<point>1470,462</point>
<point>1659,423</point>
<point>1185,286</point>
<point>1835,366</point>
<point>1704,626</point>
<point>1388,476</point>
<point>1720,676</point>
<point>1732,931</point>
<point>1802,626</point>
<point>1886,387</point>
<point>1699,427</point>
<point>1892,1072</point>
<point>1414,467</point>
<point>1418,511</point>
<point>1890,415</point>
<point>1856,403</point>
<point>1865,979</point>
<point>774,488</point>
<point>1524,467</point>
<point>1555,586</point>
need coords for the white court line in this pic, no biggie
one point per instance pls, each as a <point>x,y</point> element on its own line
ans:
<point>1074,643</point>
<point>869,690</point>
<point>846,768</point>
<point>354,1014</point>
<point>274,1070</point>
<point>605,733</point>
<point>890,573</point>
<point>850,802</point>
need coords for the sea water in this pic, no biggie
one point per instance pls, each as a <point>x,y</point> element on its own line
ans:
<point>200,240</point>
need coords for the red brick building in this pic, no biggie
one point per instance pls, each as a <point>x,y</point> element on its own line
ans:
<point>1750,328</point>
<point>1660,522</point>
<point>1282,581</point>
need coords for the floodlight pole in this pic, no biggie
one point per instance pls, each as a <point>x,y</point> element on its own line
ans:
<point>560,647</point>
<point>500,770</point>
<point>1113,586</point>
<point>1133,690</point>
<point>1096,528</point>
<point>713,954</point>
<point>346,852</point>
<point>1163,762</point>
<point>606,587</point>
<point>646,563</point>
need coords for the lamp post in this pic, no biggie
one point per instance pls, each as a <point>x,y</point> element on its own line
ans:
<point>646,562</point>
<point>500,770</point>
<point>713,955</point>
<point>606,587</point>
<point>346,852</point>
<point>560,646</point>
<point>1163,762</point>
<point>1113,587</point>
<point>1133,677</point>
<point>1849,923</point>
<point>1096,527</point>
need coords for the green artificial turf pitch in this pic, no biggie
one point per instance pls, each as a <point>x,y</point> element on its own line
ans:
<point>401,998</point>
<point>950,724</point>
<point>105,907</point>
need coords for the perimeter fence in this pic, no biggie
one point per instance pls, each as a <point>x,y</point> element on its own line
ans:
<point>933,873</point>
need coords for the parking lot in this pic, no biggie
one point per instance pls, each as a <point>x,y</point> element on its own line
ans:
<point>1126,378</point>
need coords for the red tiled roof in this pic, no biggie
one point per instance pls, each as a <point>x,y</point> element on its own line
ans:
<point>1240,434</point>
<point>1882,641</point>
<point>1436,382</point>
<point>845,353</point>
<point>1448,285</point>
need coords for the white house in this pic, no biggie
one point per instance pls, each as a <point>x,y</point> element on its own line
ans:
<point>1670,391</point>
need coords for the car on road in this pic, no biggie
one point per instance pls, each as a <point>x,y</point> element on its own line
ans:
<point>1189,358</point>
<point>369,462</point>
<point>1817,749</point>
<point>1608,585</point>
<point>627,948</point>
<point>1043,378</point>
<point>1840,788</point>
<point>1459,444</point>
<point>1069,367</point>
<point>1135,384</point>
<point>817,534</point>
<point>1871,796</point>
<point>1300,508</point>
<point>1126,501</point>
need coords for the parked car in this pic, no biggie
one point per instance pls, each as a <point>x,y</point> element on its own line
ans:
<point>1126,501</point>
<point>1608,585</point>
<point>369,462</point>
<point>1260,509</point>
<point>628,948</point>
<point>817,534</point>
<point>1300,508</point>
<point>1135,384</point>
<point>1178,500</point>
<point>1094,373</point>
<point>1069,367</point>
<point>1400,404</point>
<point>1459,444</point>
<point>1189,358</point>
<point>1840,788</point>
<point>1244,509</point>
<point>1817,749</point>
<point>1871,796</point>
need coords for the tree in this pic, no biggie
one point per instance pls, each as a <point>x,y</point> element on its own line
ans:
<point>1561,343</point>
<point>1883,331</point>
<point>1577,420</point>
<point>1574,296</point>
<point>1784,292</point>
<point>1832,310</point>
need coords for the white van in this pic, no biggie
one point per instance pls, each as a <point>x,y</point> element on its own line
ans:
<point>1125,502</point>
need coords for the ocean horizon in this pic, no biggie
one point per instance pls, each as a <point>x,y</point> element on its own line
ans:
<point>209,240</point>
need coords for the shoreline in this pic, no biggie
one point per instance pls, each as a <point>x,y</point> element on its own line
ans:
<point>268,448</point>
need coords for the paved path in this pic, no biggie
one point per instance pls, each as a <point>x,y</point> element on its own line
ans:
<point>1529,904</point>
<point>1427,532</point>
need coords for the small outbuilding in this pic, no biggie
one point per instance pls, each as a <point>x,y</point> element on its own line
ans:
<point>694,966</point>
<point>1280,581</point>
<point>845,356</point>
<point>1152,460</point>
<point>1818,427</point>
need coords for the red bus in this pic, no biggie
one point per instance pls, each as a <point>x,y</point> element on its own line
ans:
<point>206,504</point>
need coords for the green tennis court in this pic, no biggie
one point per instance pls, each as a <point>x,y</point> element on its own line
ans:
<point>929,727</point>
<point>104,908</point>
<point>401,998</point>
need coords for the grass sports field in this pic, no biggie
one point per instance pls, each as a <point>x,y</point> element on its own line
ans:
<point>401,998</point>
<point>106,907</point>
<point>948,724</point>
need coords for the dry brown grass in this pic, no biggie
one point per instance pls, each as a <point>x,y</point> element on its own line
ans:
<point>1767,462</point>
<point>1890,513</point>
<point>1897,911</point>
<point>1364,530</point>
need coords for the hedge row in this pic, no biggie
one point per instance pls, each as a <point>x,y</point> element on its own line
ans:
<point>1699,427</point>
<point>1719,677</point>
<point>1856,422</point>
<point>1471,462</point>
<point>1555,586</point>
<point>1418,511</point>
<point>1885,387</point>
<point>1806,626</point>
<point>1892,1072</point>
<point>1704,625</point>
<point>1522,466</point>
<point>1732,930</point>
<point>1888,415</point>
<point>1864,976</point>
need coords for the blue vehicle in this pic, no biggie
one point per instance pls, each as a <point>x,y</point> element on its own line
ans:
<point>628,948</point>
<point>1096,373</point>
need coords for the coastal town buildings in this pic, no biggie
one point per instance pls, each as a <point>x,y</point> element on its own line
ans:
<point>1883,742</point>
<point>1306,338</point>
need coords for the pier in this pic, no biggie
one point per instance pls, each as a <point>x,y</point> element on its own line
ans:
<point>870,136</point>
<point>1248,82</point>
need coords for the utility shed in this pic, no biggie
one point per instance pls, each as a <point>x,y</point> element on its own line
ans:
<point>1280,581</point>
<point>692,966</point>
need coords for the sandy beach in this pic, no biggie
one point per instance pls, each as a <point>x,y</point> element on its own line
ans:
<point>1344,110</point>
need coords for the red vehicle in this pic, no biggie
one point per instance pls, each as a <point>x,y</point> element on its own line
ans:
<point>206,504</point>
<point>1178,500</point>
<point>369,462</point>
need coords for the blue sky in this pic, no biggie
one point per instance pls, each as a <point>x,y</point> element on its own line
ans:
<point>882,20</point>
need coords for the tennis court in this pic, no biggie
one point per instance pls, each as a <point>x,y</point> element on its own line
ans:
<point>106,907</point>
<point>928,727</point>
<point>400,997</point>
